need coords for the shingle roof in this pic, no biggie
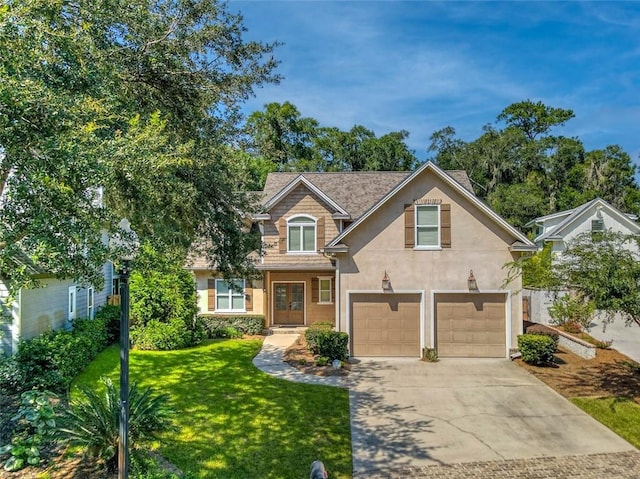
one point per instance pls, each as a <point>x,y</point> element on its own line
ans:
<point>354,191</point>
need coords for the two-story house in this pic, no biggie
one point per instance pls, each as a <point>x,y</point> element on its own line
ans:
<point>401,261</point>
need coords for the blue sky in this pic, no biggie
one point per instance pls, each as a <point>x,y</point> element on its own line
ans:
<point>421,65</point>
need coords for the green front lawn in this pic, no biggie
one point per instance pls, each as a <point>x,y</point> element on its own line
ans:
<point>621,415</point>
<point>233,420</point>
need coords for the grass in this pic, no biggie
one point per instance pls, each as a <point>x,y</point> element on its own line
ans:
<point>233,420</point>
<point>621,415</point>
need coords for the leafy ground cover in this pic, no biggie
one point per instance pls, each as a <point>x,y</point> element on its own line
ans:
<point>233,420</point>
<point>606,387</point>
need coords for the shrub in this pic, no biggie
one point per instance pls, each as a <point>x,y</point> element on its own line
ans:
<point>322,361</point>
<point>572,309</point>
<point>536,349</point>
<point>164,336</point>
<point>53,359</point>
<point>251,325</point>
<point>542,330</point>
<point>603,344</point>
<point>332,344</point>
<point>110,314</point>
<point>312,332</point>
<point>92,423</point>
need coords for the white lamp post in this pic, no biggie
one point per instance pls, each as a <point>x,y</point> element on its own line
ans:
<point>124,244</point>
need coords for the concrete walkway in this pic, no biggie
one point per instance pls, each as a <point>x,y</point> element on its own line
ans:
<point>269,360</point>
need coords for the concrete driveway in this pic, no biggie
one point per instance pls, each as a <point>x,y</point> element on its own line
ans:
<point>407,413</point>
<point>626,339</point>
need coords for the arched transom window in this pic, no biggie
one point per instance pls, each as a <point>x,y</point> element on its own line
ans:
<point>301,234</point>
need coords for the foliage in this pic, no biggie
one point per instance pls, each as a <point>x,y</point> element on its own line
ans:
<point>321,361</point>
<point>430,354</point>
<point>290,142</point>
<point>225,408</point>
<point>522,170</point>
<point>36,427</point>
<point>165,336</point>
<point>163,303</point>
<point>226,332</point>
<point>251,325</point>
<point>92,422</point>
<point>118,109</point>
<point>51,361</point>
<point>572,309</point>
<point>312,332</point>
<point>542,330</point>
<point>536,349</point>
<point>332,344</point>
<point>605,269</point>
<point>537,270</point>
<point>145,466</point>
<point>111,315</point>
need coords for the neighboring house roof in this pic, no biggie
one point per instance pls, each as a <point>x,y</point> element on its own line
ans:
<point>353,192</point>
<point>578,213</point>
<point>521,243</point>
<point>542,219</point>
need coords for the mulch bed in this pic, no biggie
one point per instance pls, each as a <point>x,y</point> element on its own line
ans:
<point>299,356</point>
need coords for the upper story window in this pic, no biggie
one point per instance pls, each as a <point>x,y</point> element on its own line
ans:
<point>230,295</point>
<point>301,234</point>
<point>428,226</point>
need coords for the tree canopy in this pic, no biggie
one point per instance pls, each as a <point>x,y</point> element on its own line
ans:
<point>121,108</point>
<point>523,170</point>
<point>290,142</point>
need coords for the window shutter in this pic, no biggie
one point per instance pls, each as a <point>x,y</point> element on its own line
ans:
<point>409,231</point>
<point>248,295</point>
<point>320,233</point>
<point>315,290</point>
<point>445,226</point>
<point>282,226</point>
<point>211,294</point>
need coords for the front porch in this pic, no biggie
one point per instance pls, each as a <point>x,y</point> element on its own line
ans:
<point>295,299</point>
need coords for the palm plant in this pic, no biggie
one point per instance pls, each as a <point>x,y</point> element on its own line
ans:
<point>92,422</point>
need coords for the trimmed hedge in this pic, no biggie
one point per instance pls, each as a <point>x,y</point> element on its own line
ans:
<point>333,344</point>
<point>542,330</point>
<point>159,336</point>
<point>537,349</point>
<point>312,333</point>
<point>53,359</point>
<point>215,325</point>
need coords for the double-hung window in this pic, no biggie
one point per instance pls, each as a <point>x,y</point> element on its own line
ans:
<point>324,293</point>
<point>230,295</point>
<point>301,235</point>
<point>427,226</point>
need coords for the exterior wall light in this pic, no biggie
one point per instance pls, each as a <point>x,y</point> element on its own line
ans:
<point>471,281</point>
<point>386,282</point>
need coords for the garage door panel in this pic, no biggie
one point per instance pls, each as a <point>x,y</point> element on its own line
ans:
<point>385,325</point>
<point>470,325</point>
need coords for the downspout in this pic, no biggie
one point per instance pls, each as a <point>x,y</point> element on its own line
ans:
<point>338,294</point>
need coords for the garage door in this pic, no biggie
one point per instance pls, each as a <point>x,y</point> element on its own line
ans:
<point>471,325</point>
<point>385,325</point>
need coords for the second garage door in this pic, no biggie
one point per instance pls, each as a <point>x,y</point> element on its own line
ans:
<point>471,325</point>
<point>385,325</point>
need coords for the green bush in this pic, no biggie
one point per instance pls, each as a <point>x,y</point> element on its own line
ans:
<point>213,324</point>
<point>110,314</point>
<point>536,349</point>
<point>573,312</point>
<point>312,333</point>
<point>164,336</point>
<point>322,361</point>
<point>52,359</point>
<point>542,330</point>
<point>332,344</point>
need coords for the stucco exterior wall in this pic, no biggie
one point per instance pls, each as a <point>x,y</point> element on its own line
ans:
<point>301,201</point>
<point>477,243</point>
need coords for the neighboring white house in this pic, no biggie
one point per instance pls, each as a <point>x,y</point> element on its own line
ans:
<point>52,306</point>
<point>596,215</point>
